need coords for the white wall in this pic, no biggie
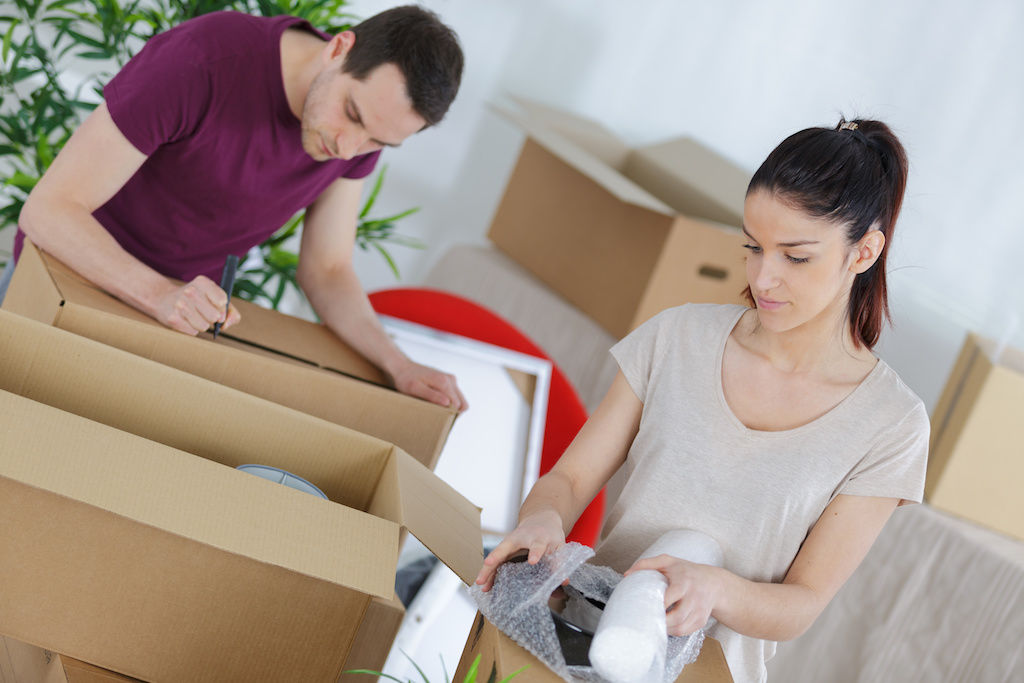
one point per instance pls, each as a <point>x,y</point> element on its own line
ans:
<point>740,76</point>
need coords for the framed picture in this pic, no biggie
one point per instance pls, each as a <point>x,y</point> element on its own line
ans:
<point>492,455</point>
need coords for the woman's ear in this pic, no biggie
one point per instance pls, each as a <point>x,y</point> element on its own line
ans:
<point>869,248</point>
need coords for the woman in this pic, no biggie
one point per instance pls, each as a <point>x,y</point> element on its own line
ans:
<point>773,428</point>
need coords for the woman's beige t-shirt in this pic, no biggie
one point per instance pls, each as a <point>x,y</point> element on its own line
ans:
<point>694,465</point>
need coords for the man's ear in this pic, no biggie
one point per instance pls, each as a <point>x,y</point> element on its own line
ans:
<point>338,46</point>
<point>869,248</point>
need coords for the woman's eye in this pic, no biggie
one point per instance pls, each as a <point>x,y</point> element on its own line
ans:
<point>796,259</point>
<point>754,249</point>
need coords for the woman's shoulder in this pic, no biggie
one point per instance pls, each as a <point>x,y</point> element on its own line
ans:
<point>700,316</point>
<point>889,394</point>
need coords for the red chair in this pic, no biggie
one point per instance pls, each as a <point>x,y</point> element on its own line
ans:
<point>566,414</point>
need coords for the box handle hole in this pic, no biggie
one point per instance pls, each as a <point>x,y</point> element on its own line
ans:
<point>713,272</point>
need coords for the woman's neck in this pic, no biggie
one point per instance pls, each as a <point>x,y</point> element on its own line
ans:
<point>822,346</point>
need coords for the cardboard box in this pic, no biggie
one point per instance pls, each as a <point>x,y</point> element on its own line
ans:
<point>283,359</point>
<point>976,463</point>
<point>130,542</point>
<point>24,663</point>
<point>501,656</point>
<point>621,233</point>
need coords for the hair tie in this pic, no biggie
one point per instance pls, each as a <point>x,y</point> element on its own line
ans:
<point>848,125</point>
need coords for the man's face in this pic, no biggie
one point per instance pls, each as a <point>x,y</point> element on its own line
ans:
<point>343,117</point>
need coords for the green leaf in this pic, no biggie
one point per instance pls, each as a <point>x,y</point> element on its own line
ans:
<point>22,181</point>
<point>415,666</point>
<point>515,673</point>
<point>7,39</point>
<point>373,193</point>
<point>94,54</point>
<point>387,257</point>
<point>471,673</point>
<point>374,673</point>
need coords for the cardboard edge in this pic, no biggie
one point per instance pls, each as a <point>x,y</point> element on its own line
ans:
<point>33,293</point>
<point>965,384</point>
<point>435,513</point>
<point>583,161</point>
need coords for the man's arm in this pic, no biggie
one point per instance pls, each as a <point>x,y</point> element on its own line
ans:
<point>326,276</point>
<point>94,164</point>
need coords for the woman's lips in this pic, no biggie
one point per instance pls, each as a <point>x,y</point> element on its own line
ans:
<point>768,304</point>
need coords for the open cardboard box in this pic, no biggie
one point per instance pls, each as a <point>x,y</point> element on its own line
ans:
<point>24,663</point>
<point>281,358</point>
<point>976,463</point>
<point>500,656</point>
<point>130,542</point>
<point>620,233</point>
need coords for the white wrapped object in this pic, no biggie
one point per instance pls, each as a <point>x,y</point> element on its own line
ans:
<point>631,639</point>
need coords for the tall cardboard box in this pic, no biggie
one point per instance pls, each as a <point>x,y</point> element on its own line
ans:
<point>130,541</point>
<point>278,357</point>
<point>500,656</point>
<point>620,233</point>
<point>976,463</point>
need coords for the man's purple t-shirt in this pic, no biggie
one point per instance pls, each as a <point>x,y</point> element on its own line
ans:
<point>206,103</point>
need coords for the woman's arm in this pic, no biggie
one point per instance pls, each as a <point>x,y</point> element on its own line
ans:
<point>560,496</point>
<point>831,552</point>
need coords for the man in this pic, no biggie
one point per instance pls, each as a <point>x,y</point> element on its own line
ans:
<point>216,133</point>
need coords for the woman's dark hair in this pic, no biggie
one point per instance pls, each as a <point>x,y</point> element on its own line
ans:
<point>425,50</point>
<point>853,175</point>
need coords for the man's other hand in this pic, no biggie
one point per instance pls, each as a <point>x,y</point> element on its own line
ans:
<point>430,384</point>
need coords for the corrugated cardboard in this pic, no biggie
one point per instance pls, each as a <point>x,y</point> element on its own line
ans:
<point>620,233</point>
<point>373,642</point>
<point>78,671</point>
<point>130,542</point>
<point>271,355</point>
<point>976,463</point>
<point>501,656</point>
<point>24,663</point>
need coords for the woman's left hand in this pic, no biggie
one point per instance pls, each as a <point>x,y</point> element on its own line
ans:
<point>692,593</point>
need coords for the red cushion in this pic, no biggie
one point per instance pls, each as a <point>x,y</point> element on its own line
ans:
<point>566,414</point>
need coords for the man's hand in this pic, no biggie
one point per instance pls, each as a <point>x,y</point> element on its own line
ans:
<point>194,307</point>
<point>430,384</point>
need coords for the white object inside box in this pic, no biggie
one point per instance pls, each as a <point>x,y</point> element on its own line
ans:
<point>518,606</point>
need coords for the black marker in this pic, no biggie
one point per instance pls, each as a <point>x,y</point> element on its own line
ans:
<point>227,283</point>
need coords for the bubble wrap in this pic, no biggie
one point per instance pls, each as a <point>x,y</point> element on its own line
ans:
<point>518,605</point>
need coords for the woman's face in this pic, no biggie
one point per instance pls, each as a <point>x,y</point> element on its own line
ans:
<point>799,267</point>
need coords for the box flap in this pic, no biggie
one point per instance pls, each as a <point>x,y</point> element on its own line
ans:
<point>193,414</point>
<point>587,163</point>
<point>32,292</point>
<point>189,496</point>
<point>273,375</point>
<point>691,178</point>
<point>438,515</point>
<point>584,133</point>
<point>301,339</point>
<point>268,330</point>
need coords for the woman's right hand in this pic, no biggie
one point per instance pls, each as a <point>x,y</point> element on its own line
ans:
<point>538,533</point>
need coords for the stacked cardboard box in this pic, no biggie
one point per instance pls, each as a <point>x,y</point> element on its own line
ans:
<point>283,359</point>
<point>131,542</point>
<point>976,463</point>
<point>620,233</point>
